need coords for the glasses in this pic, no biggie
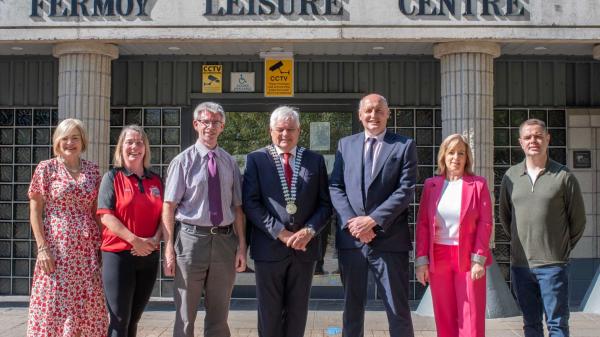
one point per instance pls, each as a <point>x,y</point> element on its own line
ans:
<point>206,123</point>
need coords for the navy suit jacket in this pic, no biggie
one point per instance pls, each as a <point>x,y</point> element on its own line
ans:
<point>387,197</point>
<point>264,205</point>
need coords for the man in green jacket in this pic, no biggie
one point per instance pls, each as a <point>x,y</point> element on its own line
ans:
<point>541,208</point>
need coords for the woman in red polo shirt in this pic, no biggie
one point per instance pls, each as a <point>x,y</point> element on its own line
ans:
<point>129,207</point>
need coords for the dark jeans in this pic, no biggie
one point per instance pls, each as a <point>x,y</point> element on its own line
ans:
<point>128,282</point>
<point>543,290</point>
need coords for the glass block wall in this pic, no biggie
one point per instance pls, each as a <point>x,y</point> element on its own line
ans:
<point>507,152</point>
<point>163,127</point>
<point>25,139</point>
<point>425,127</point>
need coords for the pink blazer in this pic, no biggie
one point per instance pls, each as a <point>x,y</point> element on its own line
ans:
<point>475,220</point>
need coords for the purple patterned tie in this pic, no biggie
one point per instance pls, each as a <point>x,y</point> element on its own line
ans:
<point>214,191</point>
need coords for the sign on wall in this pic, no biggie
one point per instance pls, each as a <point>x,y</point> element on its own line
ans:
<point>212,78</point>
<point>242,82</point>
<point>279,77</point>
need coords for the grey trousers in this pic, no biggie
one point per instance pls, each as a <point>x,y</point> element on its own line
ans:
<point>205,263</point>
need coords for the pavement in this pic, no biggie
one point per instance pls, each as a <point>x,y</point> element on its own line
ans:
<point>324,320</point>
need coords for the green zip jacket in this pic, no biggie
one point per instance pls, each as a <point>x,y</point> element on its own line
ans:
<point>545,219</point>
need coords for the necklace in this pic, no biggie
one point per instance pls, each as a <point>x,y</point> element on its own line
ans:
<point>62,160</point>
<point>289,194</point>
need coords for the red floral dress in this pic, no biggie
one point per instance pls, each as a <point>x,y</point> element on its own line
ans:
<point>70,300</point>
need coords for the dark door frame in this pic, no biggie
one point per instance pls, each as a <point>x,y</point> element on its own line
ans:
<point>257,102</point>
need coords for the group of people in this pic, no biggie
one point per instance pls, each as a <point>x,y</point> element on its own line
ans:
<point>284,200</point>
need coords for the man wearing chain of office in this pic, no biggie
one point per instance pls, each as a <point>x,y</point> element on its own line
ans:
<point>286,200</point>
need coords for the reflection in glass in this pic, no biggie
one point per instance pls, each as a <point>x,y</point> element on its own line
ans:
<point>558,154</point>
<point>556,118</point>
<point>23,155</point>
<point>114,135</point>
<point>501,156</point>
<point>516,155</point>
<point>41,137</point>
<point>5,288</point>
<point>21,211</point>
<point>5,192</point>
<point>40,153</point>
<point>501,137</point>
<point>424,117</point>
<point>6,173</point>
<point>155,151</point>
<point>41,117</point>
<point>21,192</point>
<point>424,173</point>
<point>116,117</point>
<point>21,248</point>
<point>424,137</point>
<point>153,135</point>
<point>6,136</point>
<point>438,118</point>
<point>5,267</point>
<point>6,117</point>
<point>21,230</point>
<point>539,114</point>
<point>517,117</point>
<point>558,137</point>
<point>23,136</point>
<point>170,117</point>
<point>20,286</point>
<point>20,267</point>
<point>54,117</point>
<point>405,118</point>
<point>500,118</point>
<point>424,155</point>
<point>6,155</point>
<point>151,117</point>
<point>168,153</point>
<point>406,132</point>
<point>23,117</point>
<point>4,248</point>
<point>23,173</point>
<point>133,116</point>
<point>170,136</point>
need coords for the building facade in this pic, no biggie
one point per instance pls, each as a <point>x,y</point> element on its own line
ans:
<point>477,67</point>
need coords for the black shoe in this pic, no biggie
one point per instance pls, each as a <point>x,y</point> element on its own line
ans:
<point>319,271</point>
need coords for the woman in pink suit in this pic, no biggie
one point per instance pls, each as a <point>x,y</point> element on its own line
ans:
<point>453,235</point>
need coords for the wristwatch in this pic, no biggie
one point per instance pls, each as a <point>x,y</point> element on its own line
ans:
<point>310,231</point>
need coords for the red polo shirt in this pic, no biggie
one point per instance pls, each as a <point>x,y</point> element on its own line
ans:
<point>135,201</point>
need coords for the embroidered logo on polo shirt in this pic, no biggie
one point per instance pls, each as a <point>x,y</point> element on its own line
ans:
<point>154,191</point>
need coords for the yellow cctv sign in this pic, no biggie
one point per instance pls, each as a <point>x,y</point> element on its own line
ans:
<point>279,77</point>
<point>212,78</point>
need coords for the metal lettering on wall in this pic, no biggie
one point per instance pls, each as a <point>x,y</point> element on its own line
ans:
<point>93,8</point>
<point>426,8</point>
<point>274,7</point>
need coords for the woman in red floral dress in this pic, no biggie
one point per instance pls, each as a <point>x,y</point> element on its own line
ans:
<point>66,296</point>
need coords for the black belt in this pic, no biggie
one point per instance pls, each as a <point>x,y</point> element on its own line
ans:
<point>214,230</point>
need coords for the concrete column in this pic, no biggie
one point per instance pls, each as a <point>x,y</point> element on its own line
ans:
<point>84,92</point>
<point>468,108</point>
<point>468,98</point>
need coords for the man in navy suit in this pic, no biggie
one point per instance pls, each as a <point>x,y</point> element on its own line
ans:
<point>371,186</point>
<point>287,203</point>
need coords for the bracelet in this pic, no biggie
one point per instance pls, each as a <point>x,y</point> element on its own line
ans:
<point>43,248</point>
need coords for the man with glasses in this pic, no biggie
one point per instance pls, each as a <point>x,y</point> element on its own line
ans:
<point>203,195</point>
<point>541,208</point>
<point>287,202</point>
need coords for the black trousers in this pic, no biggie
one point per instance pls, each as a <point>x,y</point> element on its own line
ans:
<point>128,283</point>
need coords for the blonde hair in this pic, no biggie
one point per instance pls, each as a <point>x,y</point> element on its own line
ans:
<point>63,129</point>
<point>450,143</point>
<point>118,157</point>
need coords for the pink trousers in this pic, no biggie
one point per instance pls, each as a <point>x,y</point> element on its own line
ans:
<point>458,301</point>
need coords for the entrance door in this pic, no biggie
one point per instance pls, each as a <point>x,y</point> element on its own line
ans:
<point>323,123</point>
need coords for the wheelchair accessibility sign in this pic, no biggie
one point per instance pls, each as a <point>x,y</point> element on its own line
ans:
<point>242,82</point>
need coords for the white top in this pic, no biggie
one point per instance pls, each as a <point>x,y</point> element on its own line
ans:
<point>447,220</point>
